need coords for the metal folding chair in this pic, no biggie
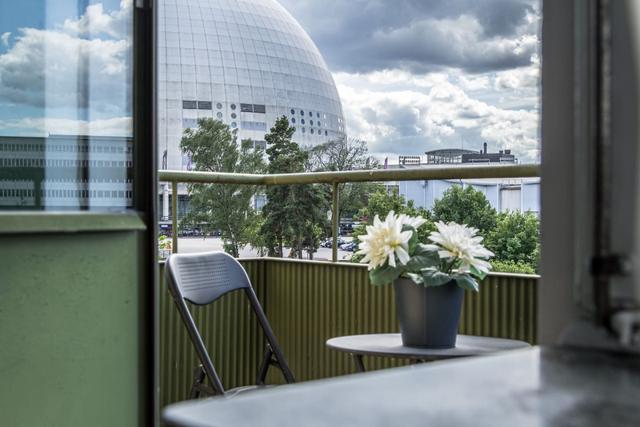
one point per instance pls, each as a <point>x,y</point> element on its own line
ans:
<point>201,279</point>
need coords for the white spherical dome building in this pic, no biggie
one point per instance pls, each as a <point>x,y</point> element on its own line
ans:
<point>245,62</point>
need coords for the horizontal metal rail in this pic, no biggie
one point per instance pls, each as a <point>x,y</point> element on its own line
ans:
<point>414,174</point>
<point>335,178</point>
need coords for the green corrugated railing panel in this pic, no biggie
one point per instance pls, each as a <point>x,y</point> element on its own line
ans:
<point>310,302</point>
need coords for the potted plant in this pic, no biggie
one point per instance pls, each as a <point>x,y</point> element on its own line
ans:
<point>429,278</point>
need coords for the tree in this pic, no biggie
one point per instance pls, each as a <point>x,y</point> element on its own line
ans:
<point>515,239</point>
<point>465,206</point>
<point>291,212</point>
<point>343,155</point>
<point>214,148</point>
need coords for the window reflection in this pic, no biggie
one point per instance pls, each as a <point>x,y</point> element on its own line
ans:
<point>66,105</point>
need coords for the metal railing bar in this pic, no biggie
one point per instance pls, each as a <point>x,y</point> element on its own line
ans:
<point>417,174</point>
<point>174,217</point>
<point>335,221</point>
<point>436,172</point>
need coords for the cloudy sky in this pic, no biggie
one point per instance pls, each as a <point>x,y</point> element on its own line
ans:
<point>413,75</point>
<point>416,75</point>
<point>65,69</point>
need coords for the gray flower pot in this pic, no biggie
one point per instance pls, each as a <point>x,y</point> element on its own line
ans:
<point>428,316</point>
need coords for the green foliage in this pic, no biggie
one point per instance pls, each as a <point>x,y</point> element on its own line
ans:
<point>165,243</point>
<point>255,237</point>
<point>214,148</point>
<point>292,212</point>
<point>515,239</point>
<point>512,236</point>
<point>465,206</point>
<point>512,267</point>
<point>344,154</point>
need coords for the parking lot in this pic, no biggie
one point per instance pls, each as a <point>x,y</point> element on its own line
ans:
<point>202,244</point>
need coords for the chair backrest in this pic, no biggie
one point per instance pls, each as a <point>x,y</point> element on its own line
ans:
<point>202,278</point>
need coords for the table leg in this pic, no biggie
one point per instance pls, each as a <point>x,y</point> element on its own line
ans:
<point>357,359</point>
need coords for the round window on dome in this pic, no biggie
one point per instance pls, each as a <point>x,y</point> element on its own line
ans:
<point>219,106</point>
<point>326,133</point>
<point>311,131</point>
<point>301,113</point>
<point>319,124</point>
<point>234,125</point>
<point>234,115</point>
<point>311,122</point>
<point>302,121</point>
<point>233,106</point>
<point>318,115</point>
<point>303,130</point>
<point>293,120</point>
<point>293,111</point>
<point>219,115</point>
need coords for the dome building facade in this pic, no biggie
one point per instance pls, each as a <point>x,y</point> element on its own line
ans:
<point>246,63</point>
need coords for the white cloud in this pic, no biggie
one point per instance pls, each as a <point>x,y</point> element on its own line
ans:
<point>400,113</point>
<point>95,21</point>
<point>518,78</point>
<point>77,72</point>
<point>5,38</point>
<point>57,70</point>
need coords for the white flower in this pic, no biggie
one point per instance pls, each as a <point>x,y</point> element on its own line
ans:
<point>384,241</point>
<point>459,241</point>
<point>413,221</point>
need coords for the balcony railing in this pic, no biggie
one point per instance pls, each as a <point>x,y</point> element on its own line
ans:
<point>308,302</point>
<point>336,178</point>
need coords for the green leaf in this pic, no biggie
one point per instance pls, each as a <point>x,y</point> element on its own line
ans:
<point>477,273</point>
<point>384,275</point>
<point>417,278</point>
<point>434,277</point>
<point>422,258</point>
<point>465,281</point>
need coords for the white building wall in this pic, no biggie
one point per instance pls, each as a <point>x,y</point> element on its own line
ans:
<point>221,54</point>
<point>502,195</point>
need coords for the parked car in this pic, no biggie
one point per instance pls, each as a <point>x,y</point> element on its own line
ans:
<point>328,243</point>
<point>349,246</point>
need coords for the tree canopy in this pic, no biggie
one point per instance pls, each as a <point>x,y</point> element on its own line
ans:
<point>293,213</point>
<point>465,206</point>
<point>515,238</point>
<point>345,154</point>
<point>213,147</point>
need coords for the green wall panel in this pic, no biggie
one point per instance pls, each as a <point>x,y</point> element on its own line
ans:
<point>69,335</point>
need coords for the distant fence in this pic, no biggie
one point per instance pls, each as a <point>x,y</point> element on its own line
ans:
<point>309,302</point>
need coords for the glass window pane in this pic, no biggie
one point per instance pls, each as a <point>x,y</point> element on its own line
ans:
<point>66,106</point>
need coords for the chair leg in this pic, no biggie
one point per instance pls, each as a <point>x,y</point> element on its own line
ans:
<point>267,360</point>
<point>198,378</point>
